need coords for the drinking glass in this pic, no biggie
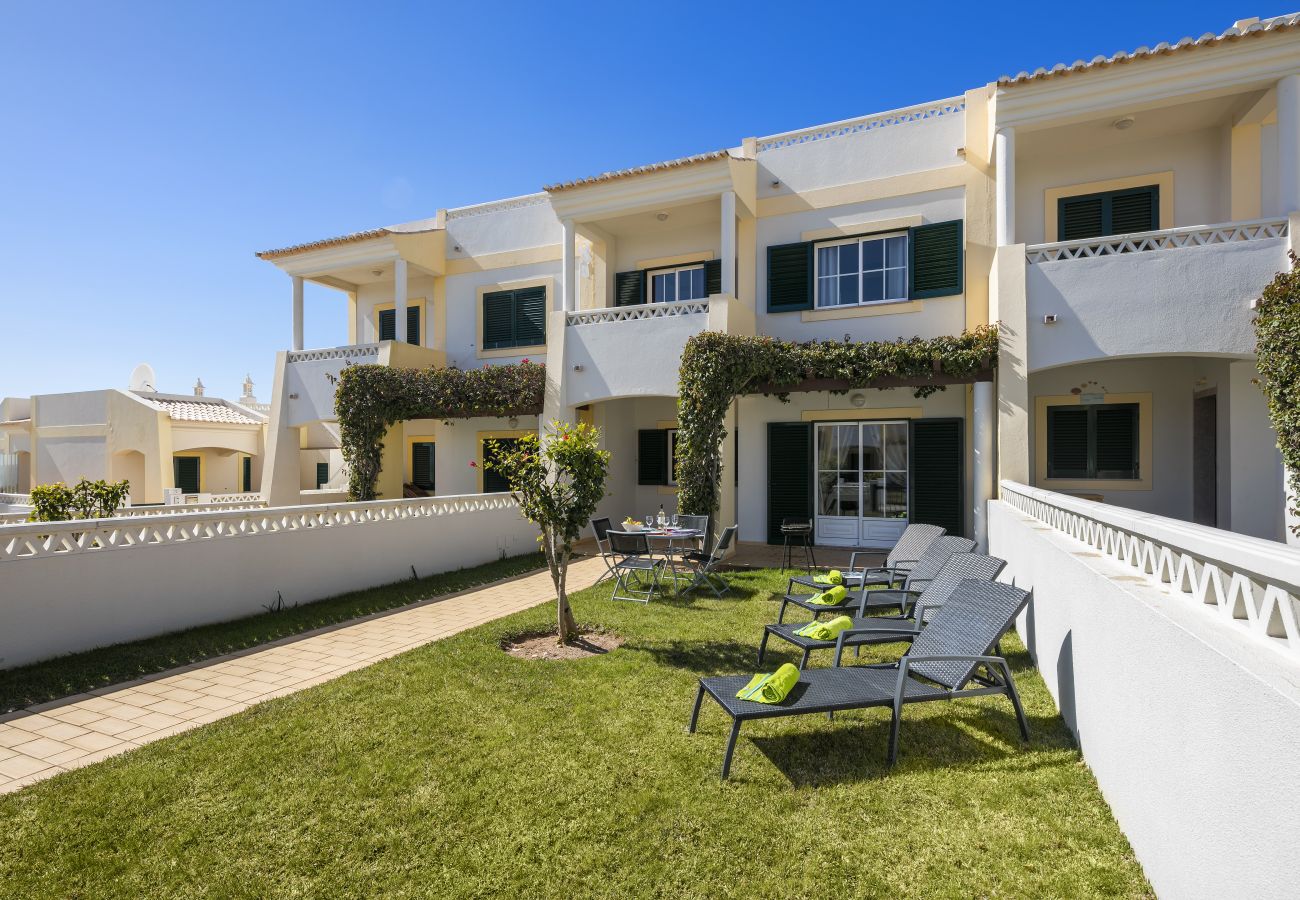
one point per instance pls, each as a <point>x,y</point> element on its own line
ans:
<point>674,520</point>
<point>650,522</point>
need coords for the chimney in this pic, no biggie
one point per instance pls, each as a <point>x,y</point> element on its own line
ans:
<point>198,387</point>
<point>248,391</point>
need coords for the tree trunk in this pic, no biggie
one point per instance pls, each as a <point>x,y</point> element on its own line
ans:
<point>557,559</point>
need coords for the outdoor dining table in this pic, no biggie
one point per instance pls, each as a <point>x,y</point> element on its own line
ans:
<point>670,535</point>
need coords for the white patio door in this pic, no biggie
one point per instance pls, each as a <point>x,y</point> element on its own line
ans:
<point>861,483</point>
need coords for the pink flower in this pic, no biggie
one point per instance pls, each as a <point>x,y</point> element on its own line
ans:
<point>525,359</point>
<point>472,464</point>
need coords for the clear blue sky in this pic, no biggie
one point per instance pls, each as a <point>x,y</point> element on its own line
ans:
<point>149,149</point>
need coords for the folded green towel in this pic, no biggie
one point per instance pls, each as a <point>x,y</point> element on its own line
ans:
<point>825,631</point>
<point>834,576</point>
<point>833,597</point>
<point>771,688</point>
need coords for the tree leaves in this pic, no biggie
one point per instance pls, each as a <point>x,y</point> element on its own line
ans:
<point>1277,353</point>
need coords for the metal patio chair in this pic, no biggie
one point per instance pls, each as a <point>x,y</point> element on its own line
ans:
<point>948,660</point>
<point>703,564</point>
<point>633,564</point>
<point>926,568</point>
<point>904,555</point>
<point>698,523</point>
<point>917,608</point>
<point>601,528</point>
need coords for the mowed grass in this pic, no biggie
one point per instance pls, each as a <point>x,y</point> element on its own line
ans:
<point>456,770</point>
<point>80,672</point>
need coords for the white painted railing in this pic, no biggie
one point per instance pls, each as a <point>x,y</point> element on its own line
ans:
<point>218,504</point>
<point>42,539</point>
<point>353,351</point>
<point>932,110</point>
<point>1249,583</point>
<point>1167,239</point>
<point>638,311</point>
<point>15,499</point>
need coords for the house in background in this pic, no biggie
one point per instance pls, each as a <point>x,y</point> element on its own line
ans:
<point>156,441</point>
<point>1116,217</point>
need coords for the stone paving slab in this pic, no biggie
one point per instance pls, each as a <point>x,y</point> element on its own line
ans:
<point>43,740</point>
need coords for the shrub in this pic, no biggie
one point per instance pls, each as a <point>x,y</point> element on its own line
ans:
<point>1277,351</point>
<point>84,500</point>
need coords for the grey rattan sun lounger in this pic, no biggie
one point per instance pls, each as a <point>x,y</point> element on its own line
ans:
<point>904,555</point>
<point>949,659</point>
<point>917,609</point>
<point>926,568</point>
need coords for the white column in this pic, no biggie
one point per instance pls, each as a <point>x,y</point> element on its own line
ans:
<point>728,252</point>
<point>399,300</point>
<point>985,423</point>
<point>568,299</point>
<point>1288,143</point>
<point>297,312</point>
<point>1004,164</point>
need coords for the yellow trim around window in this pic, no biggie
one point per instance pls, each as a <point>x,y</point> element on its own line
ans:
<point>203,470</point>
<point>424,317</point>
<point>878,308</point>
<point>863,415</point>
<point>666,423</point>
<point>490,435</point>
<point>408,462</point>
<point>546,281</point>
<point>681,259</point>
<point>239,472</point>
<point>1145,450</point>
<point>1163,180</point>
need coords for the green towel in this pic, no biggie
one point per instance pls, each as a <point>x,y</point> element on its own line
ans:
<point>833,597</point>
<point>831,578</point>
<point>771,688</point>
<point>825,631</point>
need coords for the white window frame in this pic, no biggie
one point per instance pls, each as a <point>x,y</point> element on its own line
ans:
<point>859,240</point>
<point>677,284</point>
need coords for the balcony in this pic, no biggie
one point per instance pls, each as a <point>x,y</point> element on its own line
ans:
<point>1175,291</point>
<point>631,351</point>
<point>311,376</point>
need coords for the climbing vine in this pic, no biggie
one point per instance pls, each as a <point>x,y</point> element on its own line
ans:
<point>716,368</point>
<point>1277,351</point>
<point>370,399</point>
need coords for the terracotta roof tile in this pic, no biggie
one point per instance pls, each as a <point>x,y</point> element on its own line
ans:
<point>680,163</point>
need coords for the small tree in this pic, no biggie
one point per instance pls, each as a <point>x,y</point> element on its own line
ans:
<point>84,500</point>
<point>557,482</point>
<point>1277,351</point>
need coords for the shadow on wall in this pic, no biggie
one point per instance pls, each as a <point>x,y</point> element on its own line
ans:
<point>1065,683</point>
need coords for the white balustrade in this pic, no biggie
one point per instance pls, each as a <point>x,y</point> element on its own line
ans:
<point>42,539</point>
<point>1167,239</point>
<point>638,311</point>
<point>933,110</point>
<point>351,352</point>
<point>1251,584</point>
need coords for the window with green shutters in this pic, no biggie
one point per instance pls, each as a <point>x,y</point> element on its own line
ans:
<point>322,474</point>
<point>629,288</point>
<point>246,473</point>
<point>493,481</point>
<point>1107,213</point>
<point>388,325</point>
<point>935,473</point>
<point>514,318</point>
<point>652,456</point>
<point>925,261</point>
<point>697,281</point>
<point>789,475</point>
<point>423,460</point>
<point>186,470</point>
<point>1093,441</point>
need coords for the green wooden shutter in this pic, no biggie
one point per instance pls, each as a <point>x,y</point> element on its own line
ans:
<point>789,277</point>
<point>498,320</point>
<point>186,472</point>
<point>935,268</point>
<point>713,277</point>
<point>422,465</point>
<point>1135,210</point>
<point>413,325</point>
<point>247,473</point>
<point>322,474</point>
<point>936,466</point>
<point>629,288</point>
<point>1067,442</point>
<point>652,456</point>
<point>493,481</point>
<point>530,316</point>
<point>387,325</point>
<point>1080,217</point>
<point>1115,440</point>
<point>789,475</point>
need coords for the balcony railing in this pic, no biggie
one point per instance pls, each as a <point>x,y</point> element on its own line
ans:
<point>353,351</point>
<point>1168,239</point>
<point>1250,584</point>
<point>638,311</point>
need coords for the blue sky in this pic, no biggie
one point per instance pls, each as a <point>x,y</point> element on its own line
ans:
<point>150,149</point>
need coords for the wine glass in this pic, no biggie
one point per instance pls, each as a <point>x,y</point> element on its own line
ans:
<point>674,520</point>
<point>650,522</point>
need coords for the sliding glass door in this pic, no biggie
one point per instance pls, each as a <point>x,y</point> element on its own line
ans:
<point>861,483</point>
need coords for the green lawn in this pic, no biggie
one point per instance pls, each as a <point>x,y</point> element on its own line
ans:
<point>80,672</point>
<point>458,771</point>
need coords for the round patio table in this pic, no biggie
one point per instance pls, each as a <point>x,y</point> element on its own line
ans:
<point>672,534</point>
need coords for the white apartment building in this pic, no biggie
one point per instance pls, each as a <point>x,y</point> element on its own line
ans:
<point>1116,217</point>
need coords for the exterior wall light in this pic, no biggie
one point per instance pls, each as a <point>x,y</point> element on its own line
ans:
<point>1049,319</point>
<point>1122,124</point>
<point>858,400</point>
<point>662,217</point>
<point>578,367</point>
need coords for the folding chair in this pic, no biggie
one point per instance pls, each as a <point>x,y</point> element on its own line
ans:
<point>703,564</point>
<point>632,563</point>
<point>601,528</point>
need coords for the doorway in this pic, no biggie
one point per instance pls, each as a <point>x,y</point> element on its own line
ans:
<point>861,483</point>
<point>1205,459</point>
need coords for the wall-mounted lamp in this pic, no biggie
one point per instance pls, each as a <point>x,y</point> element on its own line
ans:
<point>662,217</point>
<point>456,248</point>
<point>1049,319</point>
<point>858,400</point>
<point>514,421</point>
<point>293,396</point>
<point>578,367</point>
<point>776,184</point>
<point>1123,124</point>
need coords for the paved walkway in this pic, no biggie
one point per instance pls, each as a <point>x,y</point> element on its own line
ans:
<point>75,731</point>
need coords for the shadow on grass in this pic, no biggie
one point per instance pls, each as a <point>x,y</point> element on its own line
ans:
<point>854,747</point>
<point>704,657</point>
